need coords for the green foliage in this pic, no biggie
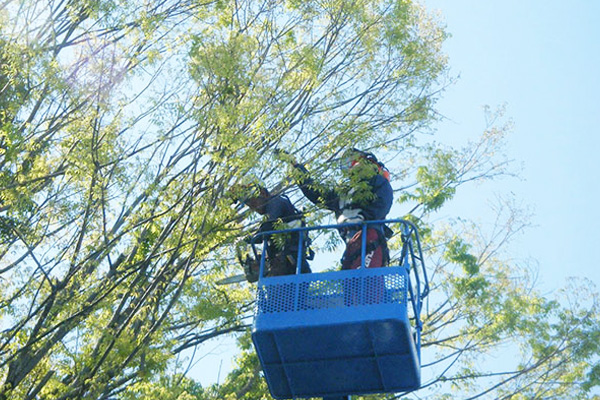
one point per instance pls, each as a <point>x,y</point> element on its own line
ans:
<point>20,159</point>
<point>175,387</point>
<point>244,382</point>
<point>457,252</point>
<point>492,308</point>
<point>436,181</point>
<point>125,129</point>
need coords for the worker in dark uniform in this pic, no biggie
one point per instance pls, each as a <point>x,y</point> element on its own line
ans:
<point>366,195</point>
<point>282,252</point>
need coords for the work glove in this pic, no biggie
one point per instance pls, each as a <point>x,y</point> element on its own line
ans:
<point>351,216</point>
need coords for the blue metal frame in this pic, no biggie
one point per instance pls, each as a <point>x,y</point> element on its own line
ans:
<point>411,258</point>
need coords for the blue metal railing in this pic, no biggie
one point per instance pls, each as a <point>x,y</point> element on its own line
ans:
<point>411,256</point>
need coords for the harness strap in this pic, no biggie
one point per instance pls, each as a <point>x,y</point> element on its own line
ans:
<point>372,246</point>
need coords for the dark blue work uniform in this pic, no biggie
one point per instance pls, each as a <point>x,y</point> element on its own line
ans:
<point>374,207</point>
<point>345,208</point>
<point>282,255</point>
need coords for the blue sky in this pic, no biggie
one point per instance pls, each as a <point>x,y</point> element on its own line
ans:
<point>541,59</point>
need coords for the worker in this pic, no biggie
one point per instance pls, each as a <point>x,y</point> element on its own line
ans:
<point>282,250</point>
<point>365,194</point>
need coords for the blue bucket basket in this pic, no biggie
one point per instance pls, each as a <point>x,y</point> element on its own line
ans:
<point>340,333</point>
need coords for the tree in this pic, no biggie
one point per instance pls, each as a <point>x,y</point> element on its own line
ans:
<point>124,128</point>
<point>488,333</point>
